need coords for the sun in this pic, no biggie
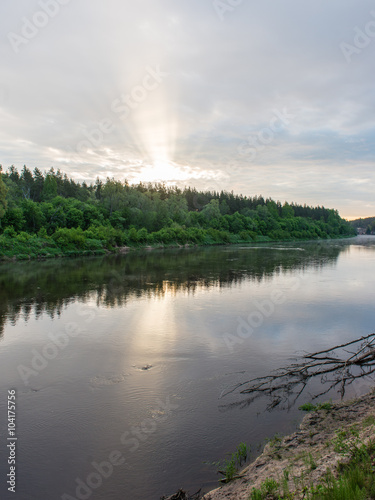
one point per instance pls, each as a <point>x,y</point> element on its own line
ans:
<point>164,170</point>
<point>161,171</point>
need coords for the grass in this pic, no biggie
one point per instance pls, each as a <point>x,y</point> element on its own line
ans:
<point>274,444</point>
<point>357,479</point>
<point>356,474</point>
<point>229,468</point>
<point>268,488</point>
<point>275,440</point>
<point>320,406</point>
<point>310,462</point>
<point>369,420</point>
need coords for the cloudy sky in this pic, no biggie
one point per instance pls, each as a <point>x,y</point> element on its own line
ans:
<point>254,96</point>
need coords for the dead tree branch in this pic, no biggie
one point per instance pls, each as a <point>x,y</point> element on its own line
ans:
<point>332,365</point>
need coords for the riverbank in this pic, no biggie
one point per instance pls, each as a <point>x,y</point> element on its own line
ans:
<point>312,459</point>
<point>65,243</point>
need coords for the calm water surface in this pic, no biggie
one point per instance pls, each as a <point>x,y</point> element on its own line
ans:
<point>145,344</point>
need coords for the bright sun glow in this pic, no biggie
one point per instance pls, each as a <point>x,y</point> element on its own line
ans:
<point>162,171</point>
<point>171,173</point>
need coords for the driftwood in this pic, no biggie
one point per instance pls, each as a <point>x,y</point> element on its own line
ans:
<point>337,368</point>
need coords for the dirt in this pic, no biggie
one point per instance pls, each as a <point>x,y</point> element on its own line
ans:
<point>304,457</point>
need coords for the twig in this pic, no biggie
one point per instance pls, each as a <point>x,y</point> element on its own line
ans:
<point>284,383</point>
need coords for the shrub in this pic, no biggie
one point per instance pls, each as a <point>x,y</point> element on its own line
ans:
<point>67,238</point>
<point>92,244</point>
<point>23,237</point>
<point>110,236</point>
<point>10,232</point>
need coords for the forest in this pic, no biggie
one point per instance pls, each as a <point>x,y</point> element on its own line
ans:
<point>48,214</point>
<point>368,224</point>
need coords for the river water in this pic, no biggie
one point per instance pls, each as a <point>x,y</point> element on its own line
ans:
<point>119,362</point>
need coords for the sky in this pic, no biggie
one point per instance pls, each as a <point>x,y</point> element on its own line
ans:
<point>254,96</point>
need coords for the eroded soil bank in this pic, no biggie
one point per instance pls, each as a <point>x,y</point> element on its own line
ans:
<point>304,458</point>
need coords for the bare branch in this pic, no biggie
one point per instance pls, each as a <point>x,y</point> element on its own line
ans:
<point>333,366</point>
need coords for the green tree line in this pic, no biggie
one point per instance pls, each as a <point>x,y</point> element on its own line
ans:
<point>54,214</point>
<point>368,223</point>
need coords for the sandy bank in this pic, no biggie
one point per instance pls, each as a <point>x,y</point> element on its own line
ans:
<point>305,456</point>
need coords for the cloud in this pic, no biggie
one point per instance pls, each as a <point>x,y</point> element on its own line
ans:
<point>224,78</point>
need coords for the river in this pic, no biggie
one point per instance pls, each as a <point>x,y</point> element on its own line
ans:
<point>118,363</point>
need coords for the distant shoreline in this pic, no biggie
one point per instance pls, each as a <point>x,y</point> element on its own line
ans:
<point>24,253</point>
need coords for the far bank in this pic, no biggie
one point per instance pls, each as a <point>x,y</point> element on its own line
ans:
<point>77,243</point>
